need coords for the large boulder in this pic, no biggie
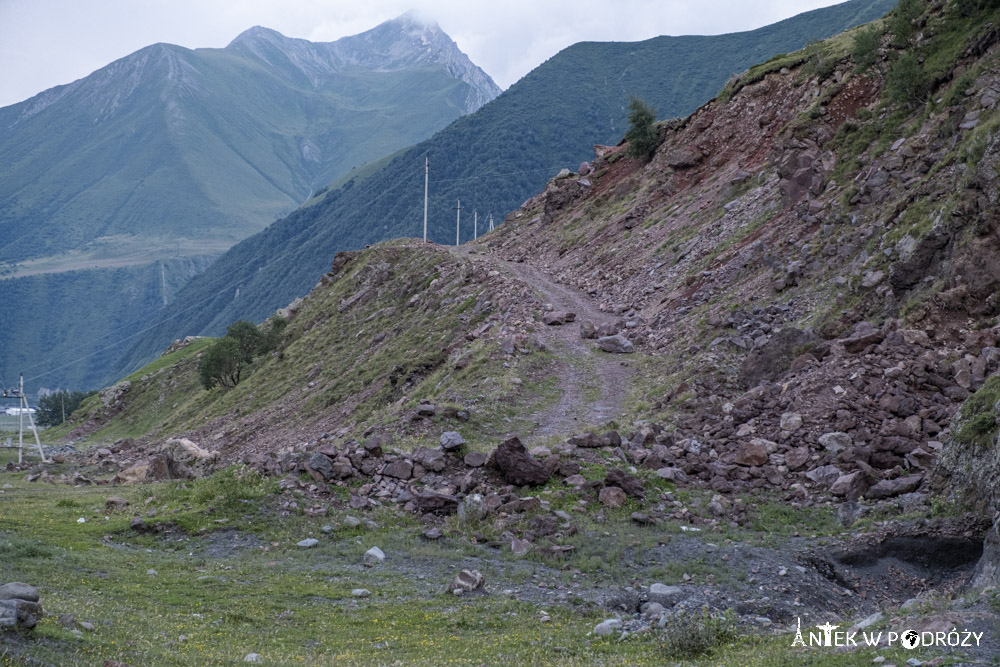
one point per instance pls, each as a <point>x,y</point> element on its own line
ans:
<point>968,470</point>
<point>155,468</point>
<point>188,453</point>
<point>320,467</point>
<point>517,466</point>
<point>617,344</point>
<point>432,502</point>
<point>20,607</point>
<point>557,317</point>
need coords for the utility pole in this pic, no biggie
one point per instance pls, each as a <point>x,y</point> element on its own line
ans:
<point>21,411</point>
<point>491,221</point>
<point>62,400</point>
<point>475,225</point>
<point>458,220</point>
<point>427,173</point>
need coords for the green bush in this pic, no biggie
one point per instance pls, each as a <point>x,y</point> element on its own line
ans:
<point>906,83</point>
<point>641,135</point>
<point>688,636</point>
<point>865,51</point>
<point>902,22</point>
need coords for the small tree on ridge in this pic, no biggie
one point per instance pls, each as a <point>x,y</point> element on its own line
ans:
<point>641,135</point>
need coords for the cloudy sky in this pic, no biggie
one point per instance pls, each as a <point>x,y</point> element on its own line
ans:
<point>44,43</point>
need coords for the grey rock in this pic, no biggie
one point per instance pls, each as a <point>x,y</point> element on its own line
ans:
<point>19,591</point>
<point>320,467</point>
<point>616,344</point>
<point>791,421</point>
<point>606,628</point>
<point>851,486</point>
<point>308,543</point>
<point>374,556</point>
<point>588,330</point>
<point>433,502</point>
<point>400,469</point>
<point>467,581</point>
<point>888,488</point>
<point>8,613</point>
<point>665,595</point>
<point>475,459</point>
<point>451,440</point>
<point>557,318</point>
<point>835,441</point>
<point>361,592</point>
<point>253,657</point>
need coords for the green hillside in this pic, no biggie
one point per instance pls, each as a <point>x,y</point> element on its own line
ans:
<point>492,160</point>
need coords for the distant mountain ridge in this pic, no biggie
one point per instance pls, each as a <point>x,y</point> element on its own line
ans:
<point>492,160</point>
<point>160,161</point>
<point>403,43</point>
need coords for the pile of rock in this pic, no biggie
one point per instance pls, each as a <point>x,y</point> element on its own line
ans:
<point>19,606</point>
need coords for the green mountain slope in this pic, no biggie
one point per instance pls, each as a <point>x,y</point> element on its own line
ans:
<point>492,160</point>
<point>169,156</point>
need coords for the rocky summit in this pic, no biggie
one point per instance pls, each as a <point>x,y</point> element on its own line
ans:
<point>729,400</point>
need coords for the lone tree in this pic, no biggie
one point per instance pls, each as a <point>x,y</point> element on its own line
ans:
<point>222,364</point>
<point>226,362</point>
<point>641,135</point>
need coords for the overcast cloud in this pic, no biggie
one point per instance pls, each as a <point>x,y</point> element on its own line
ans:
<point>44,43</point>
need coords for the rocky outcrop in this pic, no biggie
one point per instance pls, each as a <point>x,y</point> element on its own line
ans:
<point>20,606</point>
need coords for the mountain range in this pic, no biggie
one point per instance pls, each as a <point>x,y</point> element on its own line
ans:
<point>118,188</point>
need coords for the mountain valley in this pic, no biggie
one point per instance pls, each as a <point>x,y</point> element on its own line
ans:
<point>676,409</point>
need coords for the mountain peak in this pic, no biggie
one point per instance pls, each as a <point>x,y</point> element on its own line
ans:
<point>411,39</point>
<point>415,18</point>
<point>257,34</point>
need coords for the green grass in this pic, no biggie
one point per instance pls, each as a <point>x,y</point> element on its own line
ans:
<point>292,606</point>
<point>171,359</point>
<point>978,424</point>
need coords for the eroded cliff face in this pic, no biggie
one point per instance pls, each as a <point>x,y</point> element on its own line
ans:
<point>816,262</point>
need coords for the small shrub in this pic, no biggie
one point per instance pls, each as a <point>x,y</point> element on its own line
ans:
<point>16,548</point>
<point>979,415</point>
<point>641,135</point>
<point>906,83</point>
<point>902,23</point>
<point>865,51</point>
<point>692,635</point>
<point>225,489</point>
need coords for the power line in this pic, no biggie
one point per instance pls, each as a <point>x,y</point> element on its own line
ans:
<point>235,283</point>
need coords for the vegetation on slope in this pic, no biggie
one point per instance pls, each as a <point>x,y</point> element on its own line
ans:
<point>390,328</point>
